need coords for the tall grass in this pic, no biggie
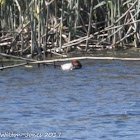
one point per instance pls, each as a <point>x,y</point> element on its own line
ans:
<point>42,26</point>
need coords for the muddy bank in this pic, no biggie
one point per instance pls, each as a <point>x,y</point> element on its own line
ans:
<point>124,53</point>
<point>128,52</point>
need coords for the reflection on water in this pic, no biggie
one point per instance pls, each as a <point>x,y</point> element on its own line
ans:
<point>99,101</point>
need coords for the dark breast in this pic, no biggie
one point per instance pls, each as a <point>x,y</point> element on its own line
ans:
<point>76,64</point>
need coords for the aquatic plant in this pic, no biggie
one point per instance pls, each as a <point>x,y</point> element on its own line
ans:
<point>40,27</point>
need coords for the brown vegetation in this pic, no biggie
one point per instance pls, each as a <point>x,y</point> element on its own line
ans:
<point>36,28</point>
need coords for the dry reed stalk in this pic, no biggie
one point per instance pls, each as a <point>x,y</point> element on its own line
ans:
<point>85,58</point>
<point>75,19</point>
<point>13,66</point>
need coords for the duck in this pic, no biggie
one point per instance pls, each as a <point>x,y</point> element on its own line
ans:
<point>75,64</point>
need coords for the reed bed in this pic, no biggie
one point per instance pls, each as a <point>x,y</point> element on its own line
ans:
<point>37,28</point>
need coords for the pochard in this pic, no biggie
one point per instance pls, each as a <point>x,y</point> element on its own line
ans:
<point>75,64</point>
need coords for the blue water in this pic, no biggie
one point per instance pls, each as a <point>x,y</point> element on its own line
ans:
<point>101,101</point>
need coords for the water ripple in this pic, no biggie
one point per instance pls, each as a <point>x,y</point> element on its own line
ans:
<point>99,101</point>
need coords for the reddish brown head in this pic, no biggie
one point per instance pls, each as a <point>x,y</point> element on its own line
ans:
<point>76,64</point>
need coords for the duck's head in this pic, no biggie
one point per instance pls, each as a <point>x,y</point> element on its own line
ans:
<point>76,64</point>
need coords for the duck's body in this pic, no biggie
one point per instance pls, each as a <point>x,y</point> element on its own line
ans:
<point>67,66</point>
<point>75,64</point>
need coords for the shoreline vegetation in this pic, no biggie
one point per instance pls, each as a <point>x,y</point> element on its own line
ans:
<point>36,31</point>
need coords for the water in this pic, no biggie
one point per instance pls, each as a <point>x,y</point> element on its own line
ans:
<point>101,101</point>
